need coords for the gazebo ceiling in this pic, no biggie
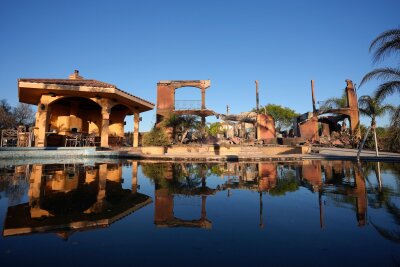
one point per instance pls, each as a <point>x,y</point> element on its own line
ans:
<point>31,90</point>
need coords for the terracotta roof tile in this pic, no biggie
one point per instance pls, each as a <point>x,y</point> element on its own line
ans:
<point>80,82</point>
<point>135,96</point>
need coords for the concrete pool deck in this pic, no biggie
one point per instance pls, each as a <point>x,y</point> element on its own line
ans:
<point>245,154</point>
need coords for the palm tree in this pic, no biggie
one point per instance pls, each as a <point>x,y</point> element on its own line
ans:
<point>373,108</point>
<point>385,44</point>
<point>183,123</point>
<point>334,103</point>
<point>172,121</point>
<point>392,235</point>
<point>188,122</point>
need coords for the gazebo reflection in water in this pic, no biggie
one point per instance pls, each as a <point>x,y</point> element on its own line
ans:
<point>65,198</point>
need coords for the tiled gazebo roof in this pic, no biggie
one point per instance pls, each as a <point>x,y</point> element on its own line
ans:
<point>30,89</point>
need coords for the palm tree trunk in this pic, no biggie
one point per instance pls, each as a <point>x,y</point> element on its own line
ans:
<point>376,143</point>
<point>184,136</point>
<point>362,143</point>
<point>378,176</point>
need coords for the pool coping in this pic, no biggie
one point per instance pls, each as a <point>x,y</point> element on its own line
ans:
<point>91,153</point>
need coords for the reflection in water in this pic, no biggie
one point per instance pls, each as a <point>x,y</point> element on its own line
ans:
<point>341,182</point>
<point>65,198</point>
<point>178,179</point>
<point>68,198</point>
<point>14,183</point>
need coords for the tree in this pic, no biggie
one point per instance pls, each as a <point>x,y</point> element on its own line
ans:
<point>182,123</point>
<point>335,102</point>
<point>373,108</point>
<point>283,116</point>
<point>6,115</point>
<point>384,45</point>
<point>156,137</point>
<point>11,117</point>
<point>188,123</point>
<point>215,128</point>
<point>391,77</point>
<point>172,121</point>
<point>23,114</point>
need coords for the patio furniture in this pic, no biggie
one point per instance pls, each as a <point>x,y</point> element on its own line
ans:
<point>91,140</point>
<point>9,137</point>
<point>74,140</point>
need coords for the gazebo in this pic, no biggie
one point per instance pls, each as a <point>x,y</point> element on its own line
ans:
<point>80,106</point>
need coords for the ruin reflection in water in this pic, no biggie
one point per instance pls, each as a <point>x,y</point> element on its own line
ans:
<point>69,198</point>
<point>330,178</point>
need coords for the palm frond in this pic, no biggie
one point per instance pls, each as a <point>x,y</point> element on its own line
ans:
<point>387,89</point>
<point>393,236</point>
<point>383,37</point>
<point>365,112</point>
<point>386,49</point>
<point>382,74</point>
<point>385,44</point>
<point>364,99</point>
<point>334,102</point>
<point>394,211</point>
<point>387,109</point>
<point>372,106</point>
<point>366,105</point>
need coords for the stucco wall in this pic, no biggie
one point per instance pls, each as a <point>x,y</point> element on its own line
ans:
<point>224,150</point>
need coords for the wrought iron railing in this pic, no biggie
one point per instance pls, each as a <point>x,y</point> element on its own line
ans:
<point>16,138</point>
<point>187,104</point>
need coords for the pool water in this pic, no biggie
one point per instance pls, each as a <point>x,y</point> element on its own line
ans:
<point>130,213</point>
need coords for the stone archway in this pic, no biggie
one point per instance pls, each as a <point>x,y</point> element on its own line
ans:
<point>166,95</point>
<point>118,114</point>
<point>59,116</point>
<point>79,114</point>
<point>188,98</point>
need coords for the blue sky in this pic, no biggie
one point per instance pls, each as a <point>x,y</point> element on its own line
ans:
<point>134,44</point>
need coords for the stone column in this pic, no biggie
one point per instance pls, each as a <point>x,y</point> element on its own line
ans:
<point>136,129</point>
<point>353,106</point>
<point>134,176</point>
<point>101,193</point>
<point>105,112</point>
<point>203,207</point>
<point>103,173</point>
<point>41,125</point>
<point>361,196</point>
<point>203,98</point>
<point>35,184</point>
<point>35,190</point>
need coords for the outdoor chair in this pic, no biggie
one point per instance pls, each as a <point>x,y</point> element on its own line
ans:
<point>73,140</point>
<point>90,140</point>
<point>9,137</point>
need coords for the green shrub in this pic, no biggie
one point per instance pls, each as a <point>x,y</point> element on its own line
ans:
<point>156,137</point>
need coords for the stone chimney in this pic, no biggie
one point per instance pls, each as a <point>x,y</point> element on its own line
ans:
<point>75,76</point>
